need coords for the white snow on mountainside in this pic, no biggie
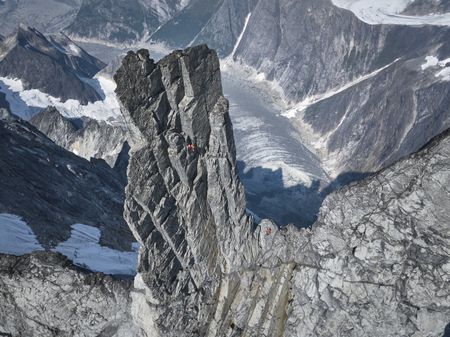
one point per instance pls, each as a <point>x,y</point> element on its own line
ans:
<point>26,103</point>
<point>442,66</point>
<point>83,249</point>
<point>16,237</point>
<point>389,12</point>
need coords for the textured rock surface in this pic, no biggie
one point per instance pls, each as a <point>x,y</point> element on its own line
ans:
<point>86,137</point>
<point>122,20</point>
<point>176,103</point>
<point>407,105</point>
<point>48,186</point>
<point>425,7</point>
<point>376,263</point>
<point>44,295</point>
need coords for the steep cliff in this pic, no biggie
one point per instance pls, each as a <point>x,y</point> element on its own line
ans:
<point>342,76</point>
<point>376,262</point>
<point>187,159</point>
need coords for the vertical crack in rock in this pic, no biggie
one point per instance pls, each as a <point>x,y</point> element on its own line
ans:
<point>376,263</point>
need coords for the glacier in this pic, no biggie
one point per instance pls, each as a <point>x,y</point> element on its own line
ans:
<point>375,12</point>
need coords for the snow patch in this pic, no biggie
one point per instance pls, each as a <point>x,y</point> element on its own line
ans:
<point>434,62</point>
<point>444,74</point>
<point>430,61</point>
<point>74,50</point>
<point>238,42</point>
<point>83,249</point>
<point>16,237</point>
<point>388,12</point>
<point>26,103</point>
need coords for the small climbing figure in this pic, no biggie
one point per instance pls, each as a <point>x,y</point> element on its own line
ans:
<point>191,148</point>
<point>268,230</point>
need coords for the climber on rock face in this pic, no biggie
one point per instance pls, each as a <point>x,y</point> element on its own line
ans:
<point>191,148</point>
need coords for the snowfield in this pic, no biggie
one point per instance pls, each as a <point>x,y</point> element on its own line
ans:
<point>26,103</point>
<point>16,237</point>
<point>84,250</point>
<point>442,66</point>
<point>388,12</point>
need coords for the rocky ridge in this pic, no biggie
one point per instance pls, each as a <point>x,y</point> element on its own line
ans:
<point>43,294</point>
<point>86,137</point>
<point>376,262</point>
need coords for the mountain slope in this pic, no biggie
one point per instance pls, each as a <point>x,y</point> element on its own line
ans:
<point>340,77</point>
<point>120,20</point>
<point>56,66</point>
<point>49,16</point>
<point>86,137</point>
<point>47,186</point>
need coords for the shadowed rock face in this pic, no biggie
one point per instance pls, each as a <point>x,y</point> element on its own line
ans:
<point>375,263</point>
<point>52,65</point>
<point>52,189</point>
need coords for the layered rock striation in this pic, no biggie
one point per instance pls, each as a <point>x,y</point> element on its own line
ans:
<point>181,176</point>
<point>376,262</point>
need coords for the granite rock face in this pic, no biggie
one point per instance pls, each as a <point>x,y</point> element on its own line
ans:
<point>86,137</point>
<point>44,295</point>
<point>187,159</point>
<point>376,262</point>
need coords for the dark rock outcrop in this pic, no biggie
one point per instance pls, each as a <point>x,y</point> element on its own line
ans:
<point>3,102</point>
<point>52,189</point>
<point>187,158</point>
<point>54,66</point>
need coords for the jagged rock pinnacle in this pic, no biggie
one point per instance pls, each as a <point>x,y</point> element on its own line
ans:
<point>185,203</point>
